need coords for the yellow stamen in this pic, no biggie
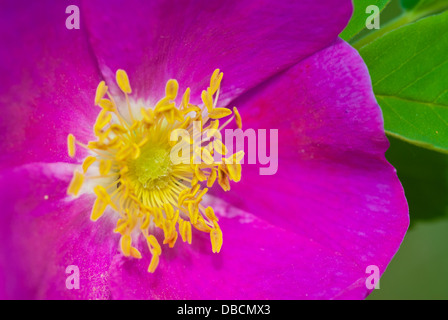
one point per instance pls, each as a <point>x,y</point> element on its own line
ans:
<point>211,178</point>
<point>123,81</point>
<point>215,81</point>
<point>87,163</point>
<point>107,105</point>
<point>208,100</point>
<point>216,238</point>
<point>219,113</point>
<point>125,244</point>
<point>99,206</point>
<point>137,177</point>
<point>135,253</point>
<point>238,120</point>
<point>75,184</point>
<point>100,92</point>
<point>154,263</point>
<point>171,89</point>
<point>71,145</point>
<point>105,166</point>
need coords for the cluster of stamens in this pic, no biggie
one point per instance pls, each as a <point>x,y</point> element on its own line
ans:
<point>132,172</point>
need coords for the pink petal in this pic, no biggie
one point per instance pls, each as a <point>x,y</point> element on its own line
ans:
<point>40,238</point>
<point>333,185</point>
<point>257,261</point>
<point>48,83</point>
<point>248,40</point>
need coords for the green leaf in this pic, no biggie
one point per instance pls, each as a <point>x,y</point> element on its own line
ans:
<point>358,21</point>
<point>418,6</point>
<point>424,175</point>
<point>409,4</point>
<point>409,71</point>
<point>419,269</point>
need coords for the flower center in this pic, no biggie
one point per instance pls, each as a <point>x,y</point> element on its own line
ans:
<point>133,172</point>
<point>151,170</point>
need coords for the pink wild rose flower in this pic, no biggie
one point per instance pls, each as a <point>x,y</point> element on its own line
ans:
<point>333,207</point>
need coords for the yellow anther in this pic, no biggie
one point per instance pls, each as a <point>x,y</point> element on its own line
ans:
<point>122,225</point>
<point>215,81</point>
<point>200,195</point>
<point>182,196</point>
<point>239,156</point>
<point>207,100</point>
<point>107,105</point>
<point>209,147</point>
<point>98,209</point>
<point>234,158</point>
<point>213,128</point>
<point>154,263</point>
<point>146,221</point>
<point>164,107</point>
<point>101,193</point>
<point>199,174</point>
<point>194,191</point>
<point>87,163</point>
<point>185,99</point>
<point>105,166</point>
<point>162,102</point>
<point>222,180</point>
<point>193,212</point>
<point>176,217</point>
<point>211,178</point>
<point>210,214</point>
<point>123,81</point>
<point>76,183</point>
<point>188,231</point>
<point>178,115</point>
<point>171,89</point>
<point>219,147</point>
<point>97,145</point>
<point>117,129</point>
<point>185,124</point>
<point>103,118</point>
<point>219,113</point>
<point>169,211</point>
<point>185,230</point>
<point>194,181</point>
<point>71,145</point>
<point>158,217</point>
<point>148,115</point>
<point>172,241</point>
<point>216,238</point>
<point>100,92</point>
<point>124,152</point>
<point>125,244</point>
<point>234,170</point>
<point>206,156</point>
<point>135,253</point>
<point>102,134</point>
<point>191,108</point>
<point>153,245</point>
<point>238,120</point>
<point>182,229</point>
<point>169,231</point>
<point>201,225</point>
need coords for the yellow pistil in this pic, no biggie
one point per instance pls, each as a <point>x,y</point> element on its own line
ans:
<point>132,172</point>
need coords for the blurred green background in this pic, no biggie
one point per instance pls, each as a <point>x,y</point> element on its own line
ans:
<point>420,268</point>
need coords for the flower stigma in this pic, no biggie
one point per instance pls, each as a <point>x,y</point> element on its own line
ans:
<point>129,166</point>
